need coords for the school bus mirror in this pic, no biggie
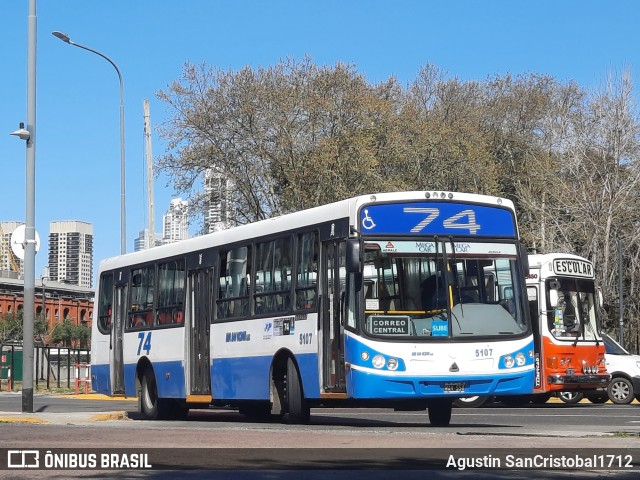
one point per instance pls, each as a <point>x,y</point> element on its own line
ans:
<point>600,297</point>
<point>353,256</point>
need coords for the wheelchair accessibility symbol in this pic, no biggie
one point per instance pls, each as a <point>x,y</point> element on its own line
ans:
<point>367,221</point>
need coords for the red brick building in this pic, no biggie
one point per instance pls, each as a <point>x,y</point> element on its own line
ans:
<point>59,301</point>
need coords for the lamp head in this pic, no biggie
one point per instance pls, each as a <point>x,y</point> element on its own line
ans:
<point>62,36</point>
<point>22,133</point>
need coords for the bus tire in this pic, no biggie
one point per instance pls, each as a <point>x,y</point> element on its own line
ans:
<point>297,406</point>
<point>440,412</point>
<point>603,398</point>
<point>153,408</point>
<point>570,397</point>
<point>471,402</point>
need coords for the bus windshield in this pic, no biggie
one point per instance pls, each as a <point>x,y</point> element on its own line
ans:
<point>417,289</point>
<point>574,315</point>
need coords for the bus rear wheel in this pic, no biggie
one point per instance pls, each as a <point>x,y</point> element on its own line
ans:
<point>440,412</point>
<point>297,406</point>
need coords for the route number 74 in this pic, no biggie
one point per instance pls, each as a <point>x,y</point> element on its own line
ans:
<point>455,222</point>
<point>145,343</point>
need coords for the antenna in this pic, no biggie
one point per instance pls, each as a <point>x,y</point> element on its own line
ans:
<point>18,242</point>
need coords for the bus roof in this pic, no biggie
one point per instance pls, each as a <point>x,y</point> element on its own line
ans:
<point>324,213</point>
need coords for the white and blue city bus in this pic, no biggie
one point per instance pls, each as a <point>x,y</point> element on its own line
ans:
<point>404,300</point>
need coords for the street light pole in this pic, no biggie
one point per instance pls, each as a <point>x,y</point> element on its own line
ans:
<point>123,222</point>
<point>29,136</point>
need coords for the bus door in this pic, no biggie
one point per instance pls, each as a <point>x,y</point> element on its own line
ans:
<point>197,331</point>
<point>117,333</point>
<point>333,301</point>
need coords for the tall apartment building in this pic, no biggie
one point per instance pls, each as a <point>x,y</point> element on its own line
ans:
<point>142,241</point>
<point>175,222</point>
<point>10,264</point>
<point>218,210</point>
<point>71,253</point>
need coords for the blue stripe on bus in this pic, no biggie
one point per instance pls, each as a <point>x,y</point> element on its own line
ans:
<point>247,378</point>
<point>370,385</point>
<point>101,379</point>
<point>232,378</point>
<point>169,379</point>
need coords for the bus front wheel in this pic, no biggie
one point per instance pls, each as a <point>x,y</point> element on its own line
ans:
<point>470,402</point>
<point>153,408</point>
<point>440,412</point>
<point>297,406</point>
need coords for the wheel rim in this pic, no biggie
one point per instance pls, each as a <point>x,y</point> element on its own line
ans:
<point>148,394</point>
<point>620,390</point>
<point>469,399</point>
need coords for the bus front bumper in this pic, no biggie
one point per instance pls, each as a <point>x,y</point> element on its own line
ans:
<point>369,385</point>
<point>584,380</point>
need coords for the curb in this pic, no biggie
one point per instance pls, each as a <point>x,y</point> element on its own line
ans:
<point>95,396</point>
<point>23,420</point>
<point>103,417</point>
<point>57,418</point>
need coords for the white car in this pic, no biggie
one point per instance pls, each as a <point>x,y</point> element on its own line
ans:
<point>625,372</point>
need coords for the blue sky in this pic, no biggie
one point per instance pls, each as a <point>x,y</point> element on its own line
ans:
<point>78,116</point>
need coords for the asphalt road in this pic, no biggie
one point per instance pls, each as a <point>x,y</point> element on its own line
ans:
<point>367,440</point>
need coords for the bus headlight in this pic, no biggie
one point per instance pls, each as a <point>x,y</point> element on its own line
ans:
<point>520,359</point>
<point>392,364</point>
<point>378,361</point>
<point>364,356</point>
<point>508,361</point>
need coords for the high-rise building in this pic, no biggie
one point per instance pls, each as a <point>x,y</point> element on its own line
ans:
<point>218,210</point>
<point>71,253</point>
<point>10,264</point>
<point>142,242</point>
<point>175,221</point>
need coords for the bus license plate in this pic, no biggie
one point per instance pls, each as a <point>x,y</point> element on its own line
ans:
<point>454,387</point>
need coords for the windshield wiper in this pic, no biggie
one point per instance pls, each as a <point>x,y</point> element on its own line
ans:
<point>455,276</point>
<point>592,331</point>
<point>445,266</point>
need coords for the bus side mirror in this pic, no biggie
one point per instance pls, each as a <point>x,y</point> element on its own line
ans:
<point>353,263</point>
<point>553,298</point>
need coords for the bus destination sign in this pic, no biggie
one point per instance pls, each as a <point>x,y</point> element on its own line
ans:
<point>572,267</point>
<point>437,218</point>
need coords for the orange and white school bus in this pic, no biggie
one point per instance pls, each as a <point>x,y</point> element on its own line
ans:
<point>563,302</point>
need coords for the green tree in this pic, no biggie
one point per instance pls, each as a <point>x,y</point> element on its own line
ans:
<point>11,327</point>
<point>296,135</point>
<point>69,334</point>
<point>62,333</point>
